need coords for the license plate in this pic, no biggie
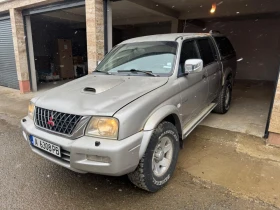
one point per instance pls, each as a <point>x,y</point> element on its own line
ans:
<point>46,146</point>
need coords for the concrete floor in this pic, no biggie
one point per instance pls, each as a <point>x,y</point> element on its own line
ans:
<point>249,109</point>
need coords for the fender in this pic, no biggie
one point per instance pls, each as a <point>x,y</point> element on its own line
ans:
<point>226,73</point>
<point>159,115</point>
<point>153,122</point>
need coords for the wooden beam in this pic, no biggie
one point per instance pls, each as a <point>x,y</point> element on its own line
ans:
<point>156,8</point>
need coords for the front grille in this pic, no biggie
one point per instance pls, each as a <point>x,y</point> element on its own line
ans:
<point>56,121</point>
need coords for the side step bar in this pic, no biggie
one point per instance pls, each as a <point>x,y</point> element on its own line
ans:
<point>191,125</point>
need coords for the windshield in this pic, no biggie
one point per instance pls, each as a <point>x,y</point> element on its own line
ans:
<point>155,57</point>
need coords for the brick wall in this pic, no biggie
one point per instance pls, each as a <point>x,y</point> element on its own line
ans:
<point>275,115</point>
<point>95,32</point>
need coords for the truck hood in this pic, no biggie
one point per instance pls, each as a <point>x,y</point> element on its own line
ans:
<point>101,95</point>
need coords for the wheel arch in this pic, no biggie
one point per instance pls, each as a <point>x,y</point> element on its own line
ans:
<point>228,75</point>
<point>168,113</point>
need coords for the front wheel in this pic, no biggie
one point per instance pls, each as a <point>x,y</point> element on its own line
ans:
<point>159,161</point>
<point>224,99</point>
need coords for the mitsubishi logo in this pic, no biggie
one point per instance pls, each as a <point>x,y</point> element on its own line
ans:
<point>50,121</point>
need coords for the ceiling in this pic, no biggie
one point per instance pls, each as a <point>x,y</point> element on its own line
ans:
<point>130,12</point>
<point>200,8</point>
<point>189,9</point>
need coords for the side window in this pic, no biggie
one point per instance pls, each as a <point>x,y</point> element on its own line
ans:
<point>206,51</point>
<point>224,46</point>
<point>188,51</point>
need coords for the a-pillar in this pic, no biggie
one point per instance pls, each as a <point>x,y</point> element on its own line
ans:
<point>17,24</point>
<point>95,32</point>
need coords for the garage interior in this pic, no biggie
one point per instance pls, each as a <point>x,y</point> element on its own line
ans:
<point>60,47</point>
<point>251,25</point>
<point>130,20</point>
<point>67,28</point>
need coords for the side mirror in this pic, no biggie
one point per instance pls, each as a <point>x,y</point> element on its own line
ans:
<point>193,66</point>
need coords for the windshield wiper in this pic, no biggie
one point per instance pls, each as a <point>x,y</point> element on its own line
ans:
<point>135,70</point>
<point>104,72</point>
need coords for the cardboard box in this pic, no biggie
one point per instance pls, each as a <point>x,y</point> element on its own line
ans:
<point>64,59</point>
<point>64,46</point>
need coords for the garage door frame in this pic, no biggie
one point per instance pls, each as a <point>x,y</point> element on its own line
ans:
<point>53,7</point>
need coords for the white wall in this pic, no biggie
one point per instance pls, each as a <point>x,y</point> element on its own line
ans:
<point>256,41</point>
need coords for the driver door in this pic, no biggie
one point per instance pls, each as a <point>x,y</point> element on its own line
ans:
<point>194,87</point>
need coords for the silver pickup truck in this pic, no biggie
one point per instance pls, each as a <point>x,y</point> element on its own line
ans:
<point>131,114</point>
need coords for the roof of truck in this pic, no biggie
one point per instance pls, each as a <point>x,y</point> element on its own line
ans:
<point>165,37</point>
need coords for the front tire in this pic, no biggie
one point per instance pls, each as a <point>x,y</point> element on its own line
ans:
<point>159,161</point>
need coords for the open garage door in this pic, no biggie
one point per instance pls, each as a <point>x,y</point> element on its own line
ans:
<point>57,45</point>
<point>8,73</point>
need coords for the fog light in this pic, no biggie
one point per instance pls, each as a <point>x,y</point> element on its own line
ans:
<point>99,158</point>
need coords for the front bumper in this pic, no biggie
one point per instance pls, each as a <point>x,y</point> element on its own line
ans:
<point>124,155</point>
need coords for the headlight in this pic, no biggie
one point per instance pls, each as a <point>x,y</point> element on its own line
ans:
<point>31,109</point>
<point>104,127</point>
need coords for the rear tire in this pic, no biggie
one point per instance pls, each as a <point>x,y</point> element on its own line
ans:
<point>224,99</point>
<point>159,161</point>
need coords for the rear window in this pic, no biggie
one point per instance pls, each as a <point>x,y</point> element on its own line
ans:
<point>206,51</point>
<point>225,47</point>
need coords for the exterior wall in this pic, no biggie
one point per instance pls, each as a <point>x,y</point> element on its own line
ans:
<point>20,50</point>
<point>275,115</point>
<point>274,127</point>
<point>95,32</point>
<point>23,4</point>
